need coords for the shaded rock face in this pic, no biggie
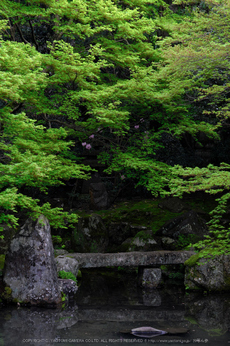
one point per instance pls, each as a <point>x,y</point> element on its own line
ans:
<point>95,178</point>
<point>188,223</point>
<point>124,236</point>
<point>120,231</point>
<point>174,205</point>
<point>90,235</point>
<point>30,269</point>
<point>127,237</point>
<point>214,275</point>
<point>98,196</point>
<point>93,194</point>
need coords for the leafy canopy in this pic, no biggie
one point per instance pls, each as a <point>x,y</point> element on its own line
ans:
<point>197,58</point>
<point>110,76</point>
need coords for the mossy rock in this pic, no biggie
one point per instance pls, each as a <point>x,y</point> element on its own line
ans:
<point>7,295</point>
<point>147,212</point>
<point>67,275</point>
<point>141,213</point>
<point>2,263</point>
<point>79,274</point>
<point>192,261</point>
<point>143,241</point>
<point>208,274</point>
<point>144,235</point>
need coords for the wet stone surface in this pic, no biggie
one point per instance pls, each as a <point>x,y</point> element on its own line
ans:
<point>151,277</point>
<point>30,269</point>
<point>130,259</point>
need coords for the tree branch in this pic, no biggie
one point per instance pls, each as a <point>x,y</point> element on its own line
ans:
<point>16,108</point>
<point>12,30</point>
<point>33,35</point>
<point>21,35</point>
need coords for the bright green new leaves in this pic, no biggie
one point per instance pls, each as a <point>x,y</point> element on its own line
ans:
<point>211,179</point>
<point>218,242</point>
<point>196,63</point>
<point>11,200</point>
<point>197,57</point>
<point>20,72</point>
<point>36,155</point>
<point>152,174</point>
<point>33,157</point>
<point>99,72</point>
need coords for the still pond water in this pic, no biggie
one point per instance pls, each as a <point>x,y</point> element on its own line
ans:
<point>107,305</point>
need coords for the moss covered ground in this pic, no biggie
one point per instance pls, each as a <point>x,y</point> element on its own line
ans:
<point>146,212</point>
<point>142,213</point>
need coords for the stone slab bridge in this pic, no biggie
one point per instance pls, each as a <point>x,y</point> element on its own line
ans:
<point>130,259</point>
<point>147,263</point>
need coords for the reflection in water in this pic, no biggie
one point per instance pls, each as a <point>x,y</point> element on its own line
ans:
<point>211,313</point>
<point>32,323</point>
<point>107,307</point>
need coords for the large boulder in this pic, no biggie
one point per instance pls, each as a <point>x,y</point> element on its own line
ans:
<point>208,275</point>
<point>186,226</point>
<point>90,235</point>
<point>30,271</point>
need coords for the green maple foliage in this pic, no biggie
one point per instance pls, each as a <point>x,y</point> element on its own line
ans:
<point>31,154</point>
<point>113,77</point>
<point>74,72</point>
<point>198,61</point>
